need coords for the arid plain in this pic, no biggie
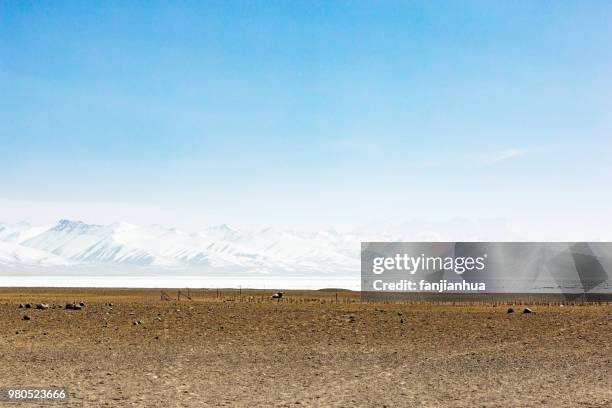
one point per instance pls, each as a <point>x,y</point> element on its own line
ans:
<point>132,348</point>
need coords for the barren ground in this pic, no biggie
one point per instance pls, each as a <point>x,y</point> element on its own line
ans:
<point>307,350</point>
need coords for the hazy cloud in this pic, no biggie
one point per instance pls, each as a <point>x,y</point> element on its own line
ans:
<point>503,156</point>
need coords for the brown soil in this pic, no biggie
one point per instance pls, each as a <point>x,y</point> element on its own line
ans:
<point>245,349</point>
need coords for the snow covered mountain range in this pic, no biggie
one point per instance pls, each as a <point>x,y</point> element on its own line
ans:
<point>73,244</point>
<point>121,247</point>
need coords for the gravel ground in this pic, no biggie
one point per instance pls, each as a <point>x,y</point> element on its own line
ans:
<point>306,350</point>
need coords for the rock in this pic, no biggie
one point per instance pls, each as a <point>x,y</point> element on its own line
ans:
<point>21,305</point>
<point>28,305</point>
<point>527,310</point>
<point>141,322</point>
<point>26,317</point>
<point>82,304</point>
<point>42,306</point>
<point>399,313</point>
<point>510,310</point>
<point>73,306</point>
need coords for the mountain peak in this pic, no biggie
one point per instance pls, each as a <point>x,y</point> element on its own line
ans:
<point>69,225</point>
<point>65,221</point>
<point>223,227</point>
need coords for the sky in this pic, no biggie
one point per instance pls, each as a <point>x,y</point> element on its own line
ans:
<point>308,114</point>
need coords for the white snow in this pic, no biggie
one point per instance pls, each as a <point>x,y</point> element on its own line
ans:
<point>15,255</point>
<point>221,247</point>
<point>216,254</point>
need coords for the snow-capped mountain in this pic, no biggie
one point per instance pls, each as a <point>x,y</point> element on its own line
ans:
<point>12,254</point>
<point>19,232</point>
<point>222,247</point>
<point>218,249</point>
<point>85,243</point>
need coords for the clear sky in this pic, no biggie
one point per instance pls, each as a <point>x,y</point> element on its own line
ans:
<point>331,113</point>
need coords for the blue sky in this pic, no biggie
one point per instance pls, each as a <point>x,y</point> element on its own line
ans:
<point>306,113</point>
